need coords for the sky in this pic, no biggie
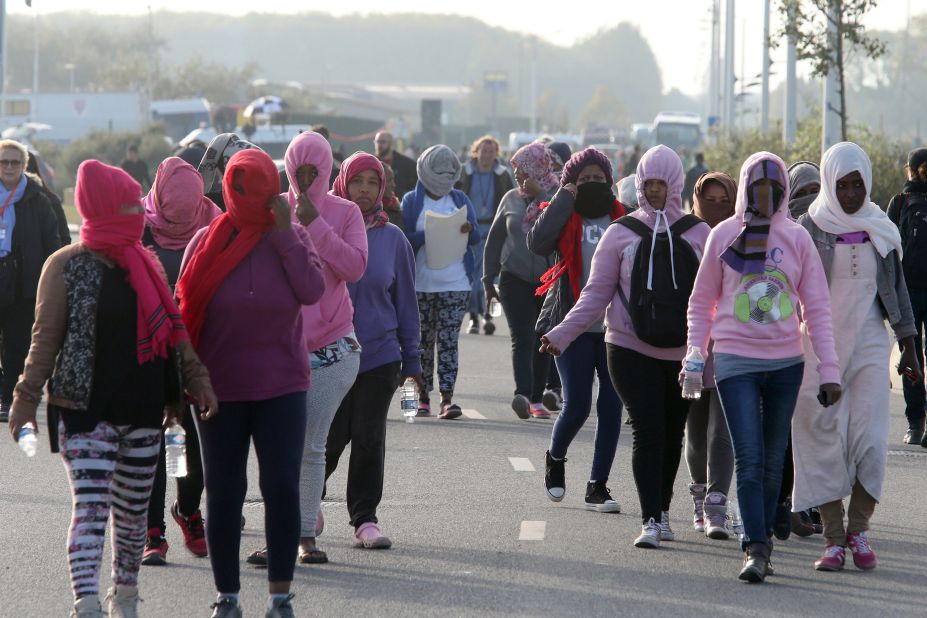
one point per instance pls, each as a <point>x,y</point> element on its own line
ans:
<point>681,44</point>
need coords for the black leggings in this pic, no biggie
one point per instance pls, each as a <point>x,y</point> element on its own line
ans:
<point>531,367</point>
<point>361,420</point>
<point>15,336</point>
<point>651,393</point>
<point>278,428</point>
<point>189,488</point>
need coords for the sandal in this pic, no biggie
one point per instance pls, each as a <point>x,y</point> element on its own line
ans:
<point>258,557</point>
<point>450,411</point>
<point>313,556</point>
<point>424,409</point>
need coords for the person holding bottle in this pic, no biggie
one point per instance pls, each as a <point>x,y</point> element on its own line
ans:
<point>107,339</point>
<point>175,209</point>
<point>709,454</point>
<point>519,271</point>
<point>243,284</point>
<point>759,267</point>
<point>571,225</point>
<point>386,322</point>
<point>842,451</point>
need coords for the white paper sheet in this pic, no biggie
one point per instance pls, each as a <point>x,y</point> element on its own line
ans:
<point>444,243</point>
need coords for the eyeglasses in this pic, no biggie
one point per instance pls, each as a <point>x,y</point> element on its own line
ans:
<point>10,163</point>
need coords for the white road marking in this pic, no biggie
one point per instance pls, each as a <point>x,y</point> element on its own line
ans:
<point>532,531</point>
<point>473,414</point>
<point>521,464</point>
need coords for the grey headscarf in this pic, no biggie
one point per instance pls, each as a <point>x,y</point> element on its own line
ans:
<point>627,192</point>
<point>220,150</point>
<point>801,175</point>
<point>438,169</point>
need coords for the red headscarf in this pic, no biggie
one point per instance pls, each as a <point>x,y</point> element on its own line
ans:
<point>176,208</point>
<point>251,181</point>
<point>100,194</point>
<point>351,167</point>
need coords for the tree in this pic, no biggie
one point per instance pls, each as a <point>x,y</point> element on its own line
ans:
<point>605,110</point>
<point>812,24</point>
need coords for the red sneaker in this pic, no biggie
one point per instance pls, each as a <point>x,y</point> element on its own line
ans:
<point>833,559</point>
<point>194,537</point>
<point>863,556</point>
<point>155,553</point>
<point>537,410</point>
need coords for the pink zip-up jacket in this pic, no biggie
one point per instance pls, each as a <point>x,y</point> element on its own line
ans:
<point>339,236</point>
<point>757,316</point>
<point>613,262</point>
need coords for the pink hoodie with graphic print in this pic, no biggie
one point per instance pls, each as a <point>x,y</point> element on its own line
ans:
<point>339,236</point>
<point>613,262</point>
<point>757,315</point>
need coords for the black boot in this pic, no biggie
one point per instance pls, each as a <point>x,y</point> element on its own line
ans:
<point>756,563</point>
<point>782,526</point>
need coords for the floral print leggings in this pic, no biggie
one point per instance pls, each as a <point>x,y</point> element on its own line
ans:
<point>441,314</point>
<point>109,468</point>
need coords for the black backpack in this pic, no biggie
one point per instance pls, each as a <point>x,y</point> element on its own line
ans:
<point>658,313</point>
<point>911,219</point>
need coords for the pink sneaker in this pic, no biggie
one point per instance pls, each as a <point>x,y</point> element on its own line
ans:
<point>537,410</point>
<point>863,556</point>
<point>369,536</point>
<point>833,559</point>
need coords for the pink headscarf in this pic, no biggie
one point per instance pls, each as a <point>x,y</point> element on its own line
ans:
<point>351,167</point>
<point>176,208</point>
<point>534,160</point>
<point>100,194</point>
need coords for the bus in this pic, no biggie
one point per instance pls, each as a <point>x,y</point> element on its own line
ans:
<point>675,129</point>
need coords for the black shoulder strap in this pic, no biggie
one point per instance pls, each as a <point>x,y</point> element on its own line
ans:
<point>635,225</point>
<point>683,225</point>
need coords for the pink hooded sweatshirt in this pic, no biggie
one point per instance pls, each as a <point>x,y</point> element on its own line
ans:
<point>613,262</point>
<point>756,315</point>
<point>339,236</point>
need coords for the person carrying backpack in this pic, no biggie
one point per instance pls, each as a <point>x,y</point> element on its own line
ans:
<point>908,210</point>
<point>643,271</point>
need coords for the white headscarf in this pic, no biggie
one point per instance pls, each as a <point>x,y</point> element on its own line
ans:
<point>840,160</point>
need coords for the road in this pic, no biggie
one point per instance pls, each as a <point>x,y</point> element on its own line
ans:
<point>457,507</point>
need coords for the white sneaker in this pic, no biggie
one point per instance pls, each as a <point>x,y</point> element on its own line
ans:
<point>716,517</point>
<point>666,533</point>
<point>122,602</point>
<point>650,535</point>
<point>87,607</point>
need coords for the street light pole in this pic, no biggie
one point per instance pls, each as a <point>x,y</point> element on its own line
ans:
<point>790,113</point>
<point>729,67</point>
<point>764,102</point>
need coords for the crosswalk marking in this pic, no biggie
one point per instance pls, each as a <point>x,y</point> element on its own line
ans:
<point>532,531</point>
<point>521,464</point>
<point>469,413</point>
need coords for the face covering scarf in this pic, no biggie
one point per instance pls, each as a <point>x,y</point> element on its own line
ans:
<point>765,192</point>
<point>594,199</point>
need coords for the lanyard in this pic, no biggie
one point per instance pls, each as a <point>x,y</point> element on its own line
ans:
<point>8,199</point>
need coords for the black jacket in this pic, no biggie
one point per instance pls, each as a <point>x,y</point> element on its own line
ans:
<point>35,236</point>
<point>405,173</point>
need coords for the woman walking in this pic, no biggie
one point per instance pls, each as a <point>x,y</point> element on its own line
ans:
<point>175,209</point>
<point>709,455</point>
<point>572,225</point>
<point>519,271</point>
<point>443,293</point>
<point>759,266</point>
<point>242,287</point>
<point>842,451</point>
<point>387,326</point>
<point>107,334</point>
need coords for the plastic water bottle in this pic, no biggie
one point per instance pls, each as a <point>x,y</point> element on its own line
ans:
<point>495,308</point>
<point>28,442</point>
<point>694,366</point>
<point>175,446</point>
<point>737,524</point>
<point>408,401</point>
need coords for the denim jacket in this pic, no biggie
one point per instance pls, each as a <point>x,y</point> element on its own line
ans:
<point>892,290</point>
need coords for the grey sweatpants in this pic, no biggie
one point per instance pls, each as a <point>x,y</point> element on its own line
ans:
<point>329,386</point>
<point>709,453</point>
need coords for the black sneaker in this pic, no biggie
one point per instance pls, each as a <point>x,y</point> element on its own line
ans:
<point>782,525</point>
<point>488,326</point>
<point>599,498</point>
<point>555,478</point>
<point>915,432</point>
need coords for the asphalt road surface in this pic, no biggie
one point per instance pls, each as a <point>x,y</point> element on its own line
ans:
<point>475,535</point>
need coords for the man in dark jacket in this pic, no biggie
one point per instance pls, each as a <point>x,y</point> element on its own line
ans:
<point>909,212</point>
<point>485,180</point>
<point>403,167</point>
<point>692,176</point>
<point>28,235</point>
<point>136,168</point>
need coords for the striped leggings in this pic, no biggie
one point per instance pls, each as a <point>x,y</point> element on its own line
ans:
<point>108,468</point>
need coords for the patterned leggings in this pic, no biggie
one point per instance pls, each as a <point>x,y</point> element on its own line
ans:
<point>108,468</point>
<point>441,314</point>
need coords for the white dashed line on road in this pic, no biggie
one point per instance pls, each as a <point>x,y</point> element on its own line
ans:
<point>521,464</point>
<point>473,414</point>
<point>532,531</point>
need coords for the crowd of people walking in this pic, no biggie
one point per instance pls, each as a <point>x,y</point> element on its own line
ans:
<point>287,316</point>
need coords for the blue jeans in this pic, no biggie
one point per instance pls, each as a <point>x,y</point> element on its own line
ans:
<point>578,365</point>
<point>914,395</point>
<point>477,296</point>
<point>758,408</point>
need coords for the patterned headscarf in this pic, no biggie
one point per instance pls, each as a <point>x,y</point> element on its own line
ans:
<point>534,160</point>
<point>217,156</point>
